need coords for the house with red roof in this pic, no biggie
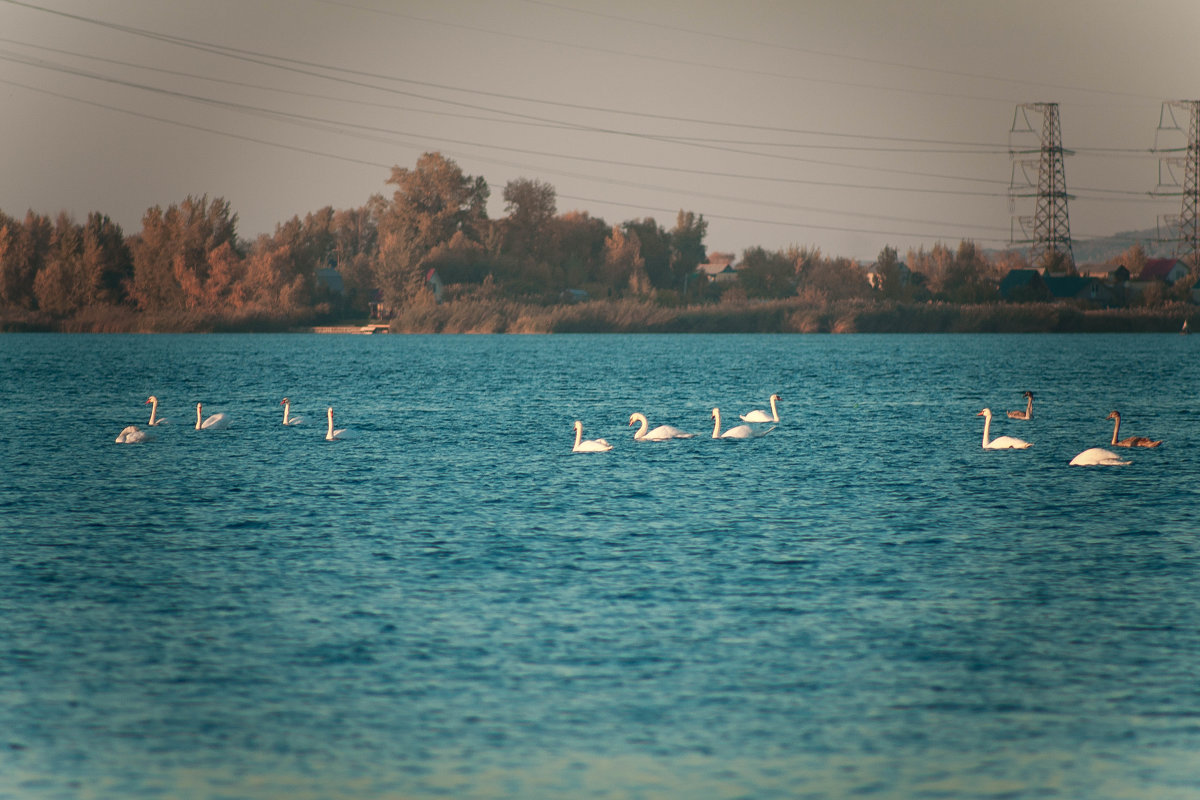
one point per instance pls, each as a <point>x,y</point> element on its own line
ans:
<point>1167,270</point>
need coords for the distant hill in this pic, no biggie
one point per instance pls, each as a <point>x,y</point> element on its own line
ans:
<point>1097,251</point>
<point>1092,251</point>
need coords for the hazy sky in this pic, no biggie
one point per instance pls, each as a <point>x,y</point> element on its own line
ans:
<point>841,124</point>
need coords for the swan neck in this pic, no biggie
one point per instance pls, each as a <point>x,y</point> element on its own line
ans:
<point>286,408</point>
<point>198,416</point>
<point>716,424</point>
<point>578,435</point>
<point>153,411</point>
<point>643,424</point>
<point>774,412</point>
<point>987,424</point>
<point>329,431</point>
<point>1116,428</point>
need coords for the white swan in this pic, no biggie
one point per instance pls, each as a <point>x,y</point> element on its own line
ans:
<point>1000,442</point>
<point>1097,457</point>
<point>287,408</point>
<point>154,420</point>
<point>659,434</point>
<point>588,445</point>
<point>132,434</point>
<point>736,432</point>
<point>336,435</point>
<point>762,416</point>
<point>216,422</point>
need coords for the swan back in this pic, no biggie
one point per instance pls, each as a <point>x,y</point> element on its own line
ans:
<point>1028,412</point>
<point>659,434</point>
<point>132,434</point>
<point>763,416</point>
<point>1000,442</point>
<point>216,422</point>
<point>588,445</point>
<point>1097,457</point>
<point>736,432</point>
<point>1132,441</point>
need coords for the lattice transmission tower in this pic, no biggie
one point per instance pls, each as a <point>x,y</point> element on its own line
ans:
<point>1179,175</point>
<point>1044,178</point>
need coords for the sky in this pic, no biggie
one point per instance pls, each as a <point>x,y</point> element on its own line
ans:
<point>841,125</point>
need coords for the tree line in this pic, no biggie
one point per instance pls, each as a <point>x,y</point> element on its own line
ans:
<point>187,266</point>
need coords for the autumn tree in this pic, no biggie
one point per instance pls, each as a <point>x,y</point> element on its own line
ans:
<point>765,274</point>
<point>655,250</point>
<point>173,250</point>
<point>356,241</point>
<point>835,279</point>
<point>530,206</point>
<point>579,247</point>
<point>23,249</point>
<point>430,205</point>
<point>1133,259</point>
<point>934,264</point>
<point>107,262</point>
<point>59,286</point>
<point>624,266</point>
<point>967,278</point>
<point>687,245</point>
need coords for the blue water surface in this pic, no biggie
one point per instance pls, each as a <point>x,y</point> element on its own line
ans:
<point>863,602</point>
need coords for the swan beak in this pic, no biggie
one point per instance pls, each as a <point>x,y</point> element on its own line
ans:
<point>980,414</point>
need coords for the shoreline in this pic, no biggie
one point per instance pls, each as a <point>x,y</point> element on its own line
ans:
<point>643,316</point>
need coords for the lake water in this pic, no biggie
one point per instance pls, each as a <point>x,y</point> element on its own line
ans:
<point>863,602</point>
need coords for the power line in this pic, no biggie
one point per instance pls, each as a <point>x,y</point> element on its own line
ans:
<point>253,109</point>
<point>829,53</point>
<point>301,65</point>
<point>948,147</point>
<point>324,154</point>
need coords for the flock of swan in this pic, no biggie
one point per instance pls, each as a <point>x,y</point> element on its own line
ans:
<point>1092,457</point>
<point>666,432</point>
<point>132,434</point>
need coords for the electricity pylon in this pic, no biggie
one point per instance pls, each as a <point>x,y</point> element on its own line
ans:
<point>1048,231</point>
<point>1181,173</point>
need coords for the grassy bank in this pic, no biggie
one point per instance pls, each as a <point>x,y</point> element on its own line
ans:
<point>788,316</point>
<point>642,316</point>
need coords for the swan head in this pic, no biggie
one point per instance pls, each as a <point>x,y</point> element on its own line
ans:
<point>637,416</point>
<point>1028,395</point>
<point>1113,415</point>
<point>776,397</point>
<point>285,402</point>
<point>578,426</point>
<point>151,399</point>
<point>986,413</point>
<point>716,412</point>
